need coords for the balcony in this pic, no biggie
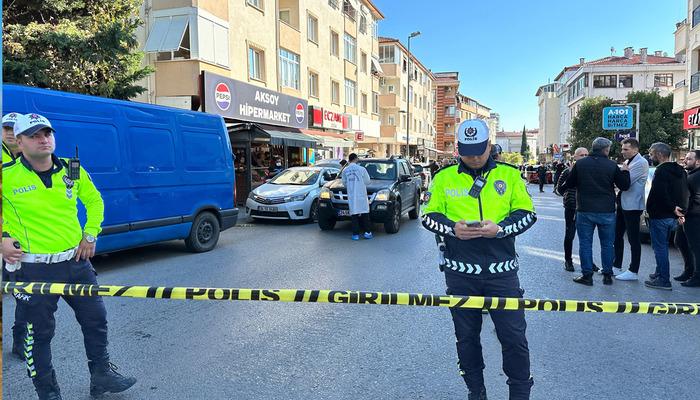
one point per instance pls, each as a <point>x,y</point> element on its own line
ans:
<point>694,82</point>
<point>679,96</point>
<point>388,100</point>
<point>680,35</point>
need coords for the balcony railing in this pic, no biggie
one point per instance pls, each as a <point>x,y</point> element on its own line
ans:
<point>680,84</point>
<point>695,82</point>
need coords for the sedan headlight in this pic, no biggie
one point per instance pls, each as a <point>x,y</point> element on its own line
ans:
<point>325,194</point>
<point>298,197</point>
<point>383,195</point>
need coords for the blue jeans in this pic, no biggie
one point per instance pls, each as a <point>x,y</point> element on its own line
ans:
<point>586,222</point>
<point>660,231</point>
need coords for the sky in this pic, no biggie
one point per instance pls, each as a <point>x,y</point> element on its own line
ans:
<point>505,49</point>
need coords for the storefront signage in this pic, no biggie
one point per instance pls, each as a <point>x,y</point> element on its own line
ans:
<point>691,118</point>
<point>242,101</point>
<point>359,136</point>
<point>618,117</point>
<point>322,118</point>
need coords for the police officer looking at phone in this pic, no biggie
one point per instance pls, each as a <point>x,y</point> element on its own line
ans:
<point>476,208</point>
<point>44,242</point>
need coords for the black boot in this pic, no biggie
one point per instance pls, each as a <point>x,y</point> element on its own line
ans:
<point>568,266</point>
<point>47,387</point>
<point>607,279</point>
<point>104,378</point>
<point>684,276</point>
<point>520,391</point>
<point>692,282</point>
<point>585,279</point>
<point>480,395</point>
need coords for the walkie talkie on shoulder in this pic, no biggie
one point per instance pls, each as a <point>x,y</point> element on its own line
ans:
<point>74,166</point>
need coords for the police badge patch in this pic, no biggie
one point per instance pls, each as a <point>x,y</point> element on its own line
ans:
<point>69,186</point>
<point>500,187</point>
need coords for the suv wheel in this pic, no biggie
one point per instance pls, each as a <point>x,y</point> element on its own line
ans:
<point>326,224</point>
<point>392,226</point>
<point>414,214</point>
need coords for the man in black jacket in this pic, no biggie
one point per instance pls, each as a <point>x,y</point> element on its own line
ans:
<point>542,175</point>
<point>691,217</point>
<point>595,178</point>
<point>669,189</point>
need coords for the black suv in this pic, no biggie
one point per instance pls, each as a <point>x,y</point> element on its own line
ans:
<point>393,191</point>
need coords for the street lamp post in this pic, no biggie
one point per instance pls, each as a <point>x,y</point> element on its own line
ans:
<point>408,107</point>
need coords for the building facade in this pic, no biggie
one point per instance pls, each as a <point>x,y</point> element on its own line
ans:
<point>512,141</point>
<point>686,94</point>
<point>406,105</point>
<point>549,106</point>
<point>446,115</point>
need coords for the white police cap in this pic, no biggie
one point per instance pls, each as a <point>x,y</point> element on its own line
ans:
<point>29,124</point>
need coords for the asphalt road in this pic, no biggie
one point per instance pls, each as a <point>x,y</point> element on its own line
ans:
<point>255,350</point>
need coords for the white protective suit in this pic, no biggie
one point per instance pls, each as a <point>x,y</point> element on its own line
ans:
<point>355,178</point>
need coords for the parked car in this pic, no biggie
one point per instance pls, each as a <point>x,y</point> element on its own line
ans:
<point>292,194</point>
<point>393,191</point>
<point>330,162</point>
<point>163,173</point>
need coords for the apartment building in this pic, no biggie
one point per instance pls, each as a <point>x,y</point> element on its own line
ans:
<point>406,105</point>
<point>549,105</point>
<point>686,94</point>
<point>512,141</point>
<point>446,116</point>
<point>613,77</point>
<point>294,79</point>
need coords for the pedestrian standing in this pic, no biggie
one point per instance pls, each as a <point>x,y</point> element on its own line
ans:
<point>691,217</point>
<point>542,176</point>
<point>434,167</point>
<point>595,178</point>
<point>477,208</point>
<point>558,170</point>
<point>630,205</point>
<point>41,217</point>
<point>356,178</point>
<point>669,189</point>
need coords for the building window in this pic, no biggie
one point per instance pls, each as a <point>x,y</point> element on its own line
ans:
<point>450,111</point>
<point>350,93</point>
<point>391,89</point>
<point>256,3</point>
<point>349,10</point>
<point>182,52</point>
<point>335,44</point>
<point>313,84</point>
<point>375,31</point>
<point>335,92</point>
<point>375,102</point>
<point>289,69</point>
<point>391,120</point>
<point>363,102</point>
<point>286,16</point>
<point>410,94</point>
<point>363,24</point>
<point>312,28</point>
<point>363,62</point>
<point>333,4</point>
<point>625,81</point>
<point>404,63</point>
<point>604,81</point>
<point>663,80</point>
<point>403,120</point>
<point>256,64</point>
<point>387,54</point>
<point>350,48</point>
<point>403,93</point>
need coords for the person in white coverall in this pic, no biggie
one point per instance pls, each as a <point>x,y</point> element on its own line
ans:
<point>355,178</point>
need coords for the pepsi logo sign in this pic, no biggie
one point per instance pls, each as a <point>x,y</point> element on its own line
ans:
<point>222,95</point>
<point>299,113</point>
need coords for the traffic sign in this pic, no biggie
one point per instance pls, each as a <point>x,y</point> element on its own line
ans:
<point>618,117</point>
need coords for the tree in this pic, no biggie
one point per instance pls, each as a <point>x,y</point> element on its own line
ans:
<point>524,149</point>
<point>512,158</point>
<point>83,46</point>
<point>657,122</point>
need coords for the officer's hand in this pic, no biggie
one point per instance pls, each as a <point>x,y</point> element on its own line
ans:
<point>85,250</point>
<point>10,253</point>
<point>489,229</point>
<point>463,232</point>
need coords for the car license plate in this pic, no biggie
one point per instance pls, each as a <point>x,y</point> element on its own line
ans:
<point>343,213</point>
<point>270,209</point>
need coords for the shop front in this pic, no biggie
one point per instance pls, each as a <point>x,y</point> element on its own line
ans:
<point>332,132</point>
<point>691,123</point>
<point>264,128</point>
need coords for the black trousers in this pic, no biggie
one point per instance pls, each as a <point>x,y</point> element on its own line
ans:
<point>627,221</point>
<point>360,221</point>
<point>683,244</point>
<point>510,329</point>
<point>542,184</point>
<point>570,218</point>
<point>39,313</point>
<point>691,229</point>
<point>19,328</point>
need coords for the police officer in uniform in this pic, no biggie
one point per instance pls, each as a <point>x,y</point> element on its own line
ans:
<point>10,151</point>
<point>40,215</point>
<point>477,208</point>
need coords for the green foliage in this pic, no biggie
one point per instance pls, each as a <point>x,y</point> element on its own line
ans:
<point>512,158</point>
<point>524,148</point>
<point>81,46</point>
<point>657,122</point>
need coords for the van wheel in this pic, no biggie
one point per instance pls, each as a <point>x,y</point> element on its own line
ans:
<point>393,225</point>
<point>413,214</point>
<point>204,233</point>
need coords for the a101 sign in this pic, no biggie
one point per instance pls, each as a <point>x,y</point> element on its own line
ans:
<point>616,118</point>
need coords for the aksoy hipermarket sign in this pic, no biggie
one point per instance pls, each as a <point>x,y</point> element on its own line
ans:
<point>322,118</point>
<point>691,119</point>
<point>239,100</point>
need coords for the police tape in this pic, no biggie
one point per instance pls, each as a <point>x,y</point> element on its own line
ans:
<point>19,289</point>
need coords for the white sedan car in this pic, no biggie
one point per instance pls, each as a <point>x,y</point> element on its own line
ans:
<point>292,194</point>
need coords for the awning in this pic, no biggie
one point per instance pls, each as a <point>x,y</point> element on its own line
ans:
<point>435,150</point>
<point>247,131</point>
<point>329,139</point>
<point>376,67</point>
<point>292,137</point>
<point>166,34</point>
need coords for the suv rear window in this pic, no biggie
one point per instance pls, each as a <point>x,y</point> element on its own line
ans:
<point>383,170</point>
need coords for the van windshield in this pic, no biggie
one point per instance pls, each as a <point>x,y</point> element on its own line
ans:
<point>296,177</point>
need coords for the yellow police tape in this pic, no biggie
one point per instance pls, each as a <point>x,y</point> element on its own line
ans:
<point>350,297</point>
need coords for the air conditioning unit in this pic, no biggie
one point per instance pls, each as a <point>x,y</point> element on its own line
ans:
<point>382,81</point>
